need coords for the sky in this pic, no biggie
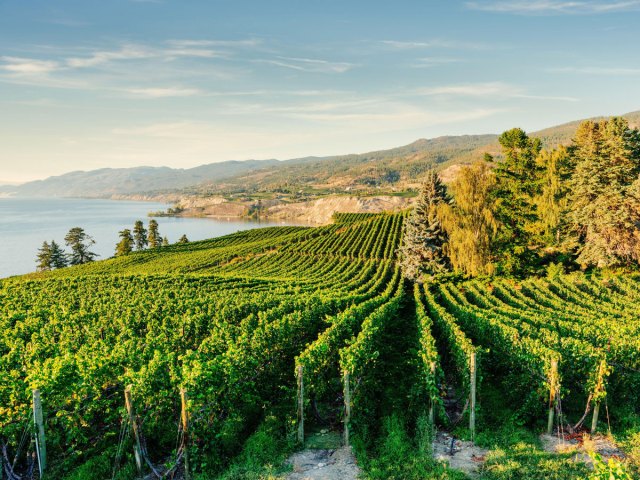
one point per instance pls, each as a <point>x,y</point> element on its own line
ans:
<point>87,84</point>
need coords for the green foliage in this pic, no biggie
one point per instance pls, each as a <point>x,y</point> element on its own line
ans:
<point>125,245</point>
<point>80,242</point>
<point>154,238</point>
<point>611,469</point>
<point>422,253</point>
<point>140,235</point>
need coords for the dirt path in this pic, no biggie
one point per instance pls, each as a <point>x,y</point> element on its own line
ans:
<point>339,464</point>
<point>465,457</point>
<point>581,445</point>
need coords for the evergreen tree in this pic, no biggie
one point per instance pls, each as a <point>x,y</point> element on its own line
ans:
<point>58,256</point>
<point>183,239</point>
<point>80,242</point>
<point>153,236</point>
<point>140,235</point>
<point>165,242</point>
<point>423,239</point>
<point>125,245</point>
<point>552,202</point>
<point>518,181</point>
<point>604,220</point>
<point>44,261</point>
<point>470,222</point>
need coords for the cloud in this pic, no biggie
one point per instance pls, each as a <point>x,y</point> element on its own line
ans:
<point>27,66</point>
<point>309,64</point>
<point>252,42</point>
<point>426,44</point>
<point>490,89</point>
<point>126,52</point>
<point>555,7</point>
<point>430,62</point>
<point>613,71</point>
<point>159,92</point>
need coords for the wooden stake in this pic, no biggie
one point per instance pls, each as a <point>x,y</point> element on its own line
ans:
<point>472,415</point>
<point>300,405</point>
<point>134,425</point>
<point>41,443</point>
<point>347,408</point>
<point>185,430</point>
<point>553,377</point>
<point>431,407</point>
<point>594,420</point>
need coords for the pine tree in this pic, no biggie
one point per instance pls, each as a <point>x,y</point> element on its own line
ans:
<point>165,242</point>
<point>125,245</point>
<point>423,239</point>
<point>552,201</point>
<point>518,182</point>
<point>183,239</point>
<point>80,242</point>
<point>140,235</point>
<point>58,256</point>
<point>153,236</point>
<point>44,258</point>
<point>604,220</point>
<point>470,222</point>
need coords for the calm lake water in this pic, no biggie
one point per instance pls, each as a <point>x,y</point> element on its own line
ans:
<point>26,223</point>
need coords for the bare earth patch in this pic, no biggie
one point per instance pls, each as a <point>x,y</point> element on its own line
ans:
<point>339,464</point>
<point>465,456</point>
<point>580,445</point>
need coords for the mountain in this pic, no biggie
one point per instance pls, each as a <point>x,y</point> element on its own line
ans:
<point>391,170</point>
<point>110,182</point>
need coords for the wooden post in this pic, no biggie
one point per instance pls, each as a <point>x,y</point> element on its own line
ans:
<point>553,380</point>
<point>134,426</point>
<point>594,420</point>
<point>185,431</point>
<point>347,408</point>
<point>431,407</point>
<point>41,443</point>
<point>472,414</point>
<point>300,405</point>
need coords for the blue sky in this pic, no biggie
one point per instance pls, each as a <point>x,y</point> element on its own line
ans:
<point>88,84</point>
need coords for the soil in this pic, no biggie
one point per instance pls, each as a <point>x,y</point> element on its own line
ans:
<point>465,457</point>
<point>582,443</point>
<point>333,464</point>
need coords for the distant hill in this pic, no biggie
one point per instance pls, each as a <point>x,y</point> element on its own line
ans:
<point>395,169</point>
<point>109,182</point>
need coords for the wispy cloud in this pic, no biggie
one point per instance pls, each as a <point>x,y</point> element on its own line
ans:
<point>555,7</point>
<point>157,92</point>
<point>309,64</point>
<point>126,52</point>
<point>27,66</point>
<point>613,71</point>
<point>490,89</point>
<point>430,44</point>
<point>430,62</point>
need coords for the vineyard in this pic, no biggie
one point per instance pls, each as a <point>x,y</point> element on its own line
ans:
<point>295,328</point>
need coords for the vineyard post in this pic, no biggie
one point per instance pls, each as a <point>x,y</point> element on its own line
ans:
<point>347,408</point>
<point>134,425</point>
<point>300,405</point>
<point>553,376</point>
<point>185,429</point>
<point>472,415</point>
<point>594,421</point>
<point>432,406</point>
<point>41,443</point>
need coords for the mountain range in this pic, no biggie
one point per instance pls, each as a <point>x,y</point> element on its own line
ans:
<point>393,169</point>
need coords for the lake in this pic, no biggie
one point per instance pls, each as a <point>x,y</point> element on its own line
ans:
<point>26,223</point>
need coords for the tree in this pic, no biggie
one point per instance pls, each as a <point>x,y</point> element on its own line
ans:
<point>604,217</point>
<point>58,256</point>
<point>552,202</point>
<point>43,258</point>
<point>80,242</point>
<point>125,245</point>
<point>518,180</point>
<point>183,239</point>
<point>422,251</point>
<point>154,237</point>
<point>140,235</point>
<point>470,222</point>
<point>165,242</point>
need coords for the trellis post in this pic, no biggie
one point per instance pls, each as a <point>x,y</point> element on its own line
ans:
<point>185,430</point>
<point>432,406</point>
<point>347,407</point>
<point>553,379</point>
<point>472,415</point>
<point>134,426</point>
<point>300,376</point>
<point>41,443</point>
